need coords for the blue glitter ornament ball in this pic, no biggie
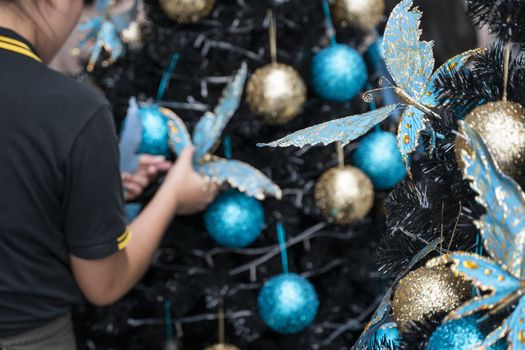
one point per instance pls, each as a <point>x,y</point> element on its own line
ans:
<point>375,52</point>
<point>462,334</point>
<point>155,132</point>
<point>288,303</point>
<point>234,220</point>
<point>379,158</point>
<point>388,335</point>
<point>338,73</point>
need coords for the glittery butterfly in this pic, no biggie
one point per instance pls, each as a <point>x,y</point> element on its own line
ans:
<point>205,138</point>
<point>410,63</point>
<point>103,32</point>
<point>502,278</point>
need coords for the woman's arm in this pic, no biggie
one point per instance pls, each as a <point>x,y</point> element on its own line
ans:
<point>106,280</point>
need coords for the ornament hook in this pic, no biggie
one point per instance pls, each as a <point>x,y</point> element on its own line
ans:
<point>329,23</point>
<point>273,36</point>
<point>281,233</point>
<point>340,154</point>
<point>166,77</point>
<point>506,59</point>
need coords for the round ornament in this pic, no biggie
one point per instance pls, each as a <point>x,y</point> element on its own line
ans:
<point>187,11</point>
<point>387,335</point>
<point>222,347</point>
<point>462,334</point>
<point>288,303</point>
<point>378,157</point>
<point>234,220</point>
<point>362,14</point>
<point>339,73</point>
<point>502,126</point>
<point>155,133</point>
<point>344,195</point>
<point>276,92</point>
<point>428,293</point>
<point>375,52</point>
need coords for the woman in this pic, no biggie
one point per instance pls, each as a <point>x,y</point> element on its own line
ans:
<point>62,226</point>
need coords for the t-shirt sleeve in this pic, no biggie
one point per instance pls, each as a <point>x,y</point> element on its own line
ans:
<point>94,221</point>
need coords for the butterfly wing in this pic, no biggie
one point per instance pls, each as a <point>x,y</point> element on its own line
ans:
<point>241,176</point>
<point>124,19</point>
<point>409,60</point>
<point>487,275</point>
<point>179,136</point>
<point>454,64</point>
<point>413,121</point>
<point>503,226</point>
<point>343,130</point>
<point>209,129</point>
<point>130,139</point>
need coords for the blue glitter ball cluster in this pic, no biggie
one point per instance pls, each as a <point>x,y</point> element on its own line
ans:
<point>155,133</point>
<point>288,303</point>
<point>339,73</point>
<point>379,158</point>
<point>462,334</point>
<point>387,335</point>
<point>234,220</point>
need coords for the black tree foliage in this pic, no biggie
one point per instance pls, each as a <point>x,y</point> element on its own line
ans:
<point>503,17</point>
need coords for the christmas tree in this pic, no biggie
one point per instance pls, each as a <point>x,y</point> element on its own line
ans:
<point>430,215</point>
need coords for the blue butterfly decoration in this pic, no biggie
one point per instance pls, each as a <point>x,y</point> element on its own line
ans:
<point>501,278</point>
<point>170,131</point>
<point>410,63</point>
<point>206,137</point>
<point>103,32</point>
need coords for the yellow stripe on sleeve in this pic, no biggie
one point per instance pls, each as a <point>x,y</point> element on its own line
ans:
<point>124,239</point>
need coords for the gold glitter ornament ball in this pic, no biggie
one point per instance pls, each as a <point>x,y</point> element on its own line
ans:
<point>362,14</point>
<point>222,347</point>
<point>187,11</point>
<point>344,195</point>
<point>502,126</point>
<point>276,92</point>
<point>428,293</point>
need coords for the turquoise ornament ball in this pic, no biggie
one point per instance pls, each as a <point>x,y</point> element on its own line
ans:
<point>288,303</point>
<point>339,73</point>
<point>387,335</point>
<point>375,52</point>
<point>462,334</point>
<point>155,132</point>
<point>234,220</point>
<point>378,157</point>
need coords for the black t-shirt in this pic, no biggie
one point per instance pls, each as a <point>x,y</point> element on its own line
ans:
<point>60,187</point>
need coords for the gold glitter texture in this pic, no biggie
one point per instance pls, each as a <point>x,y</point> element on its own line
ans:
<point>362,14</point>
<point>276,92</point>
<point>344,195</point>
<point>428,293</point>
<point>502,126</point>
<point>187,11</point>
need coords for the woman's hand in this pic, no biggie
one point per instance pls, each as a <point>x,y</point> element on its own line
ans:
<point>149,168</point>
<point>193,192</point>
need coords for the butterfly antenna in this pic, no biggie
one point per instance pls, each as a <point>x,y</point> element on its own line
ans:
<point>368,97</point>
